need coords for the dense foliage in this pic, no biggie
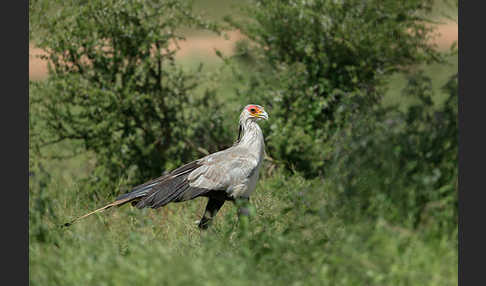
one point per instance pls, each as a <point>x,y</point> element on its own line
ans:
<point>114,86</point>
<point>402,165</point>
<point>324,75</point>
<point>329,59</point>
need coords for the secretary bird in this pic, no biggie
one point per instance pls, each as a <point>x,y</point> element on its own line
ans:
<point>227,175</point>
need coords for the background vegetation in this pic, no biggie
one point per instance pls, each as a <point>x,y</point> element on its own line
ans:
<point>360,183</point>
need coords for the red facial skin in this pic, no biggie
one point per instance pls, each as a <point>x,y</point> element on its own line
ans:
<point>253,109</point>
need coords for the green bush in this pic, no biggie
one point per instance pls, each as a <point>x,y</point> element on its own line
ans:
<point>329,60</point>
<point>329,64</point>
<point>114,86</point>
<point>402,165</point>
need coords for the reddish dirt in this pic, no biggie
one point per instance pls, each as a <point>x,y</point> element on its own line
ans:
<point>37,67</point>
<point>448,34</point>
<point>206,45</point>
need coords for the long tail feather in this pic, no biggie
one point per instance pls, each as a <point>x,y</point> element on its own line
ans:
<point>115,203</point>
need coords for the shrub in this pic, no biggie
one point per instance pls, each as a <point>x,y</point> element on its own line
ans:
<point>402,165</point>
<point>329,64</point>
<point>114,86</point>
<point>329,59</point>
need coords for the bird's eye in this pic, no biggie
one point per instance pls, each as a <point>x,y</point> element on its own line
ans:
<point>252,110</point>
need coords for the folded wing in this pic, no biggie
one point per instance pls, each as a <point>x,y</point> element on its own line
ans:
<point>216,172</point>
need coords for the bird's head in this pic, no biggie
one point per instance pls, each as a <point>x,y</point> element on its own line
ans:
<point>255,112</point>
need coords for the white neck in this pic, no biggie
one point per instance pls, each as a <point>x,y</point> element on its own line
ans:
<point>251,135</point>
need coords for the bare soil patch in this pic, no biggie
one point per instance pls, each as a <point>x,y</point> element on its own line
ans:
<point>448,34</point>
<point>37,66</point>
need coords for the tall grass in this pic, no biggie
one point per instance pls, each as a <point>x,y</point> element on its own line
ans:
<point>298,235</point>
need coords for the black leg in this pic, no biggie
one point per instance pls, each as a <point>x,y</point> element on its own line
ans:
<point>212,208</point>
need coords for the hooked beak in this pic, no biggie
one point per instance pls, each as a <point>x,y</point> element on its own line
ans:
<point>263,114</point>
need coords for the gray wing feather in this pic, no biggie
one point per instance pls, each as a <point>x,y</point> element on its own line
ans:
<point>215,172</point>
<point>222,170</point>
<point>172,187</point>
